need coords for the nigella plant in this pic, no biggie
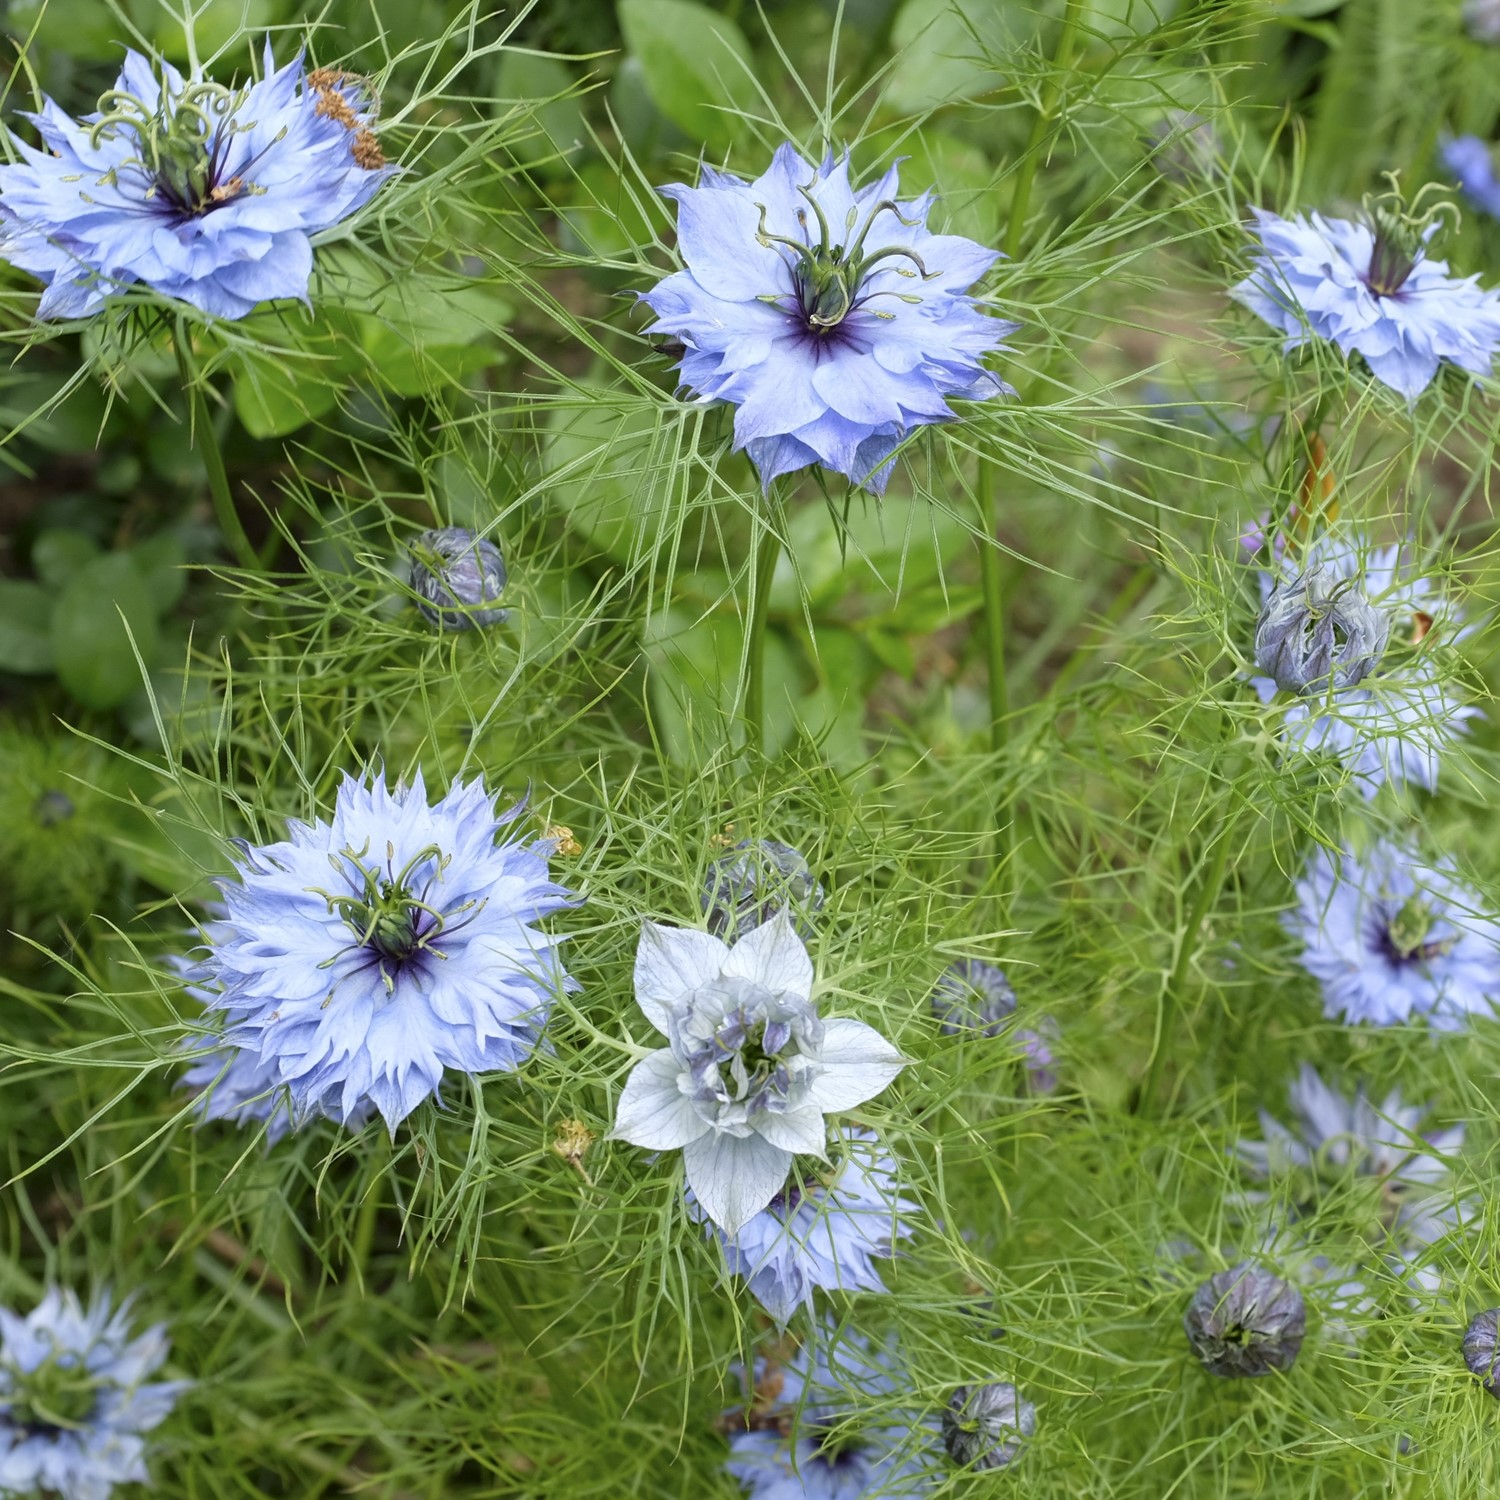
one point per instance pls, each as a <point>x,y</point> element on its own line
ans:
<point>366,956</point>
<point>458,578</point>
<point>1371,289</point>
<point>1392,939</point>
<point>203,192</point>
<point>76,1398</point>
<point>825,1231</point>
<point>830,316</point>
<point>825,1426</point>
<point>750,1069</point>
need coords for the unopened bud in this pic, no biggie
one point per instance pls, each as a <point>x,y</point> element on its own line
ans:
<point>756,879</point>
<point>1482,1349</point>
<point>973,996</point>
<point>986,1426</point>
<point>1315,630</point>
<point>1245,1322</point>
<point>458,577</point>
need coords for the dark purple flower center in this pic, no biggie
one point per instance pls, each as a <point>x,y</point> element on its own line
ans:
<point>183,143</point>
<point>1404,934</point>
<point>1394,256</point>
<point>390,920</point>
<point>828,277</point>
<point>836,1445</point>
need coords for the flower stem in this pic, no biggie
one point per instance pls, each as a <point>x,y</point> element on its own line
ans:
<point>753,709</point>
<point>206,440</point>
<point>994,607</point>
<point>1062,59</point>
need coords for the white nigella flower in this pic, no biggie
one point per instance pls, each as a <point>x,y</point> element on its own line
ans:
<point>750,1068</point>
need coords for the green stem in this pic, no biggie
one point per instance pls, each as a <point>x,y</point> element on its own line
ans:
<point>1062,59</point>
<point>767,550</point>
<point>994,607</point>
<point>206,440</point>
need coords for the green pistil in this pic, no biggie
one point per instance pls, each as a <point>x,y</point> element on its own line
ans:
<point>1398,248</point>
<point>53,1395</point>
<point>1408,931</point>
<point>829,275</point>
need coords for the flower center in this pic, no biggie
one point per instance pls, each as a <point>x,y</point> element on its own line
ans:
<point>54,1397</point>
<point>1395,254</point>
<point>1407,934</point>
<point>384,911</point>
<point>836,1445</point>
<point>827,277</point>
<point>743,1048</point>
<point>182,141</point>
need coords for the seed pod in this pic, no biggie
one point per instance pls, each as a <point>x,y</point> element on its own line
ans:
<point>1245,1322</point>
<point>1316,629</point>
<point>1482,1349</point>
<point>973,996</point>
<point>986,1426</point>
<point>756,879</point>
<point>457,576</point>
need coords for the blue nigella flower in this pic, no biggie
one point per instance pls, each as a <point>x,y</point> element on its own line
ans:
<point>1399,724</point>
<point>823,1426</point>
<point>1391,938</point>
<point>232,1083</point>
<point>1473,163</point>
<point>750,1068</point>
<point>829,315</point>
<point>1372,292</point>
<point>75,1400</point>
<point>205,193</point>
<point>365,956</point>
<point>822,1232</point>
<point>972,996</point>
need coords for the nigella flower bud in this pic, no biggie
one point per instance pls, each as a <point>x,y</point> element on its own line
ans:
<point>756,879</point>
<point>986,1426</point>
<point>972,995</point>
<point>1246,1322</point>
<point>1316,629</point>
<point>1482,1349</point>
<point>458,577</point>
<point>1185,148</point>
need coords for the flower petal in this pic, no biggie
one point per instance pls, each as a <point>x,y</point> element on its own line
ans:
<point>799,1130</point>
<point>733,1178</point>
<point>653,1112</point>
<point>670,963</point>
<point>857,1064</point>
<point>773,955</point>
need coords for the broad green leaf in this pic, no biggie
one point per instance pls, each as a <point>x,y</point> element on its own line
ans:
<point>25,627</point>
<point>697,66</point>
<point>271,401</point>
<point>59,552</point>
<point>945,49</point>
<point>543,82</point>
<point>105,605</point>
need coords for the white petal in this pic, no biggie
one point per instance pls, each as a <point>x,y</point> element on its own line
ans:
<point>773,955</point>
<point>857,1063</point>
<point>800,1130</point>
<point>653,1111</point>
<point>670,963</point>
<point>734,1178</point>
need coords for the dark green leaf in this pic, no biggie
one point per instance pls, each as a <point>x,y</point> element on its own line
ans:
<point>103,607</point>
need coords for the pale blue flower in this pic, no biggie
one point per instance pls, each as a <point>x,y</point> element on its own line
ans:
<point>836,1434</point>
<point>1392,939</point>
<point>75,1400</point>
<point>972,996</point>
<point>368,955</point>
<point>244,1087</point>
<point>1336,1137</point>
<point>1473,163</point>
<point>829,315</point>
<point>824,1231</point>
<point>1368,294</point>
<point>751,1068</point>
<point>1398,725</point>
<point>204,193</point>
